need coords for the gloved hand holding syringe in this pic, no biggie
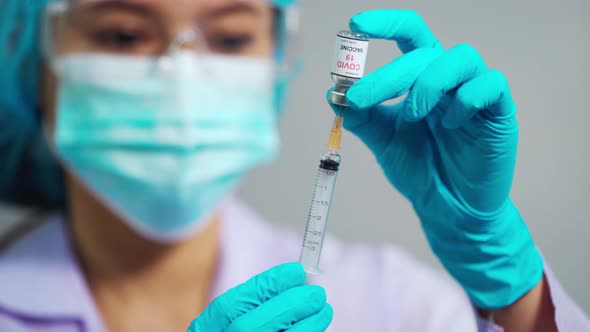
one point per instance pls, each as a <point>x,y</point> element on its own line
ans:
<point>348,67</point>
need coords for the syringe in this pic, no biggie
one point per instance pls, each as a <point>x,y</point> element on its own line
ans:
<point>317,219</point>
<point>347,68</point>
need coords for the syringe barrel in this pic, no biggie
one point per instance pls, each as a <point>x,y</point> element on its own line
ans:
<point>317,220</point>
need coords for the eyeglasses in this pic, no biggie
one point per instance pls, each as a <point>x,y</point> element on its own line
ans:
<point>138,28</point>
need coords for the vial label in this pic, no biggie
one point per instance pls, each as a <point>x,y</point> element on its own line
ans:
<point>350,57</point>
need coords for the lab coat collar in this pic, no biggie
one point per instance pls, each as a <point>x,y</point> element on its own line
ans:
<point>40,279</point>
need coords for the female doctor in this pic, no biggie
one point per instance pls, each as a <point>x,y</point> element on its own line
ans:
<point>135,121</point>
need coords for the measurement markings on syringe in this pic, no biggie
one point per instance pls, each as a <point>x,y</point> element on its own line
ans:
<point>318,211</point>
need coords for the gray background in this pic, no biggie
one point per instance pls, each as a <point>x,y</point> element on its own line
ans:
<point>541,46</point>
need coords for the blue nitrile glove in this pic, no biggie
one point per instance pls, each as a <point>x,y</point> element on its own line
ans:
<point>272,301</point>
<point>450,148</point>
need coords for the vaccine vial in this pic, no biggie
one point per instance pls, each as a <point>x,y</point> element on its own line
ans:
<point>348,65</point>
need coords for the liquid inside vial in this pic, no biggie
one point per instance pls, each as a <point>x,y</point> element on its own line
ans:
<point>349,63</point>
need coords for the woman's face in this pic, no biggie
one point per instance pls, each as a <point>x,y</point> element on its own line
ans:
<point>150,27</point>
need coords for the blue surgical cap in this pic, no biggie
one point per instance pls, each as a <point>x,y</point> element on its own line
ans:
<point>29,175</point>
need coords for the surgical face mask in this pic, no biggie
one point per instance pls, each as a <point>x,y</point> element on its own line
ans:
<point>162,142</point>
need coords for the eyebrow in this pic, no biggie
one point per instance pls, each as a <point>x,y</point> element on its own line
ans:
<point>147,8</point>
<point>233,7</point>
<point>144,8</point>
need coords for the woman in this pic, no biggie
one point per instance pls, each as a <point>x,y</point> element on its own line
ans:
<point>140,118</point>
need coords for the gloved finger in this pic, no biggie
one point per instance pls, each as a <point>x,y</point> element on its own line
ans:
<point>283,311</point>
<point>404,26</point>
<point>455,67</point>
<point>247,296</point>
<point>489,92</point>
<point>390,81</point>
<point>316,323</point>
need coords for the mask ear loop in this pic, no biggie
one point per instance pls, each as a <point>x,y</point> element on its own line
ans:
<point>48,32</point>
<point>287,55</point>
<point>48,52</point>
<point>288,59</point>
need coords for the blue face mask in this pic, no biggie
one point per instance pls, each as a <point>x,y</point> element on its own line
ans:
<point>162,142</point>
